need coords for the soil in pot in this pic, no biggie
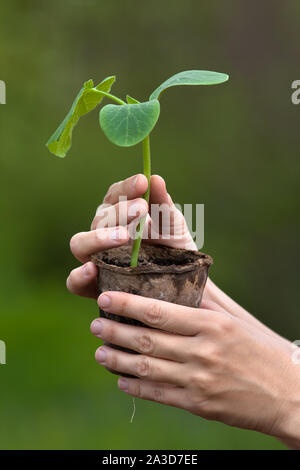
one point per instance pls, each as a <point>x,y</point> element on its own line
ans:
<point>163,273</point>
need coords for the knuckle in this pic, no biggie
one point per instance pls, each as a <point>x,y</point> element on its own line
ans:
<point>204,408</point>
<point>109,333</point>
<point>210,384</point>
<point>225,324</point>
<point>112,361</point>
<point>128,187</point>
<point>143,367</point>
<point>110,193</point>
<point>197,353</point>
<point>123,305</point>
<point>208,353</point>
<point>153,314</point>
<point>108,196</point>
<point>196,382</point>
<point>139,390</point>
<point>112,187</point>
<point>158,394</point>
<point>199,381</point>
<point>145,343</point>
<point>218,324</point>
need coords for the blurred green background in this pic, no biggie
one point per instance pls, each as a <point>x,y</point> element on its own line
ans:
<point>234,148</point>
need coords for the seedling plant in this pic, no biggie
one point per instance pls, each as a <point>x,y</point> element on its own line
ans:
<point>125,123</point>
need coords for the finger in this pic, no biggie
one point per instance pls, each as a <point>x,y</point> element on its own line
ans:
<point>83,281</point>
<point>211,305</point>
<point>142,340</point>
<point>159,392</point>
<point>155,313</point>
<point>132,187</point>
<point>159,198</point>
<point>158,192</point>
<point>84,244</point>
<point>146,367</point>
<point>121,213</point>
<point>167,224</point>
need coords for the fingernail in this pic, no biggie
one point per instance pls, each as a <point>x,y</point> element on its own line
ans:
<point>101,356</point>
<point>123,384</point>
<point>97,327</point>
<point>86,270</point>
<point>104,301</point>
<point>135,180</point>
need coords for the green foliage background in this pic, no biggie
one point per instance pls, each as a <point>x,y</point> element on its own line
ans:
<point>233,147</point>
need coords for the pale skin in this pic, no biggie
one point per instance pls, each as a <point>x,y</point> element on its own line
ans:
<point>217,361</point>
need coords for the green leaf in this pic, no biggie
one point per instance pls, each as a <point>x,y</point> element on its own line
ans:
<point>131,100</point>
<point>106,84</point>
<point>86,100</point>
<point>190,77</point>
<point>129,124</point>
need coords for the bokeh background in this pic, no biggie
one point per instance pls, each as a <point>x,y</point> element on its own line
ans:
<point>234,148</point>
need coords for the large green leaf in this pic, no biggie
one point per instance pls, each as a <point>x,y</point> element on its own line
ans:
<point>86,100</point>
<point>129,124</point>
<point>190,77</point>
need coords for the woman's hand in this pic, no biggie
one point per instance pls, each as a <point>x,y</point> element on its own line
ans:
<point>111,226</point>
<point>218,362</point>
<point>208,361</point>
<point>82,280</point>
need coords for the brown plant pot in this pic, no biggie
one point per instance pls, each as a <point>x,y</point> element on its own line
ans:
<point>163,273</point>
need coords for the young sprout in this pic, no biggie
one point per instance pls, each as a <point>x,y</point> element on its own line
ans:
<point>125,123</point>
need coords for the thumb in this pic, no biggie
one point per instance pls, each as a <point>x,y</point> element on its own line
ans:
<point>158,191</point>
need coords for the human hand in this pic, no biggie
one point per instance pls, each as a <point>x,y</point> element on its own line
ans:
<point>82,280</point>
<point>110,228</point>
<point>207,361</point>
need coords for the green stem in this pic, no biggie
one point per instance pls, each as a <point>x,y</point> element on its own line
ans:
<point>112,97</point>
<point>140,227</point>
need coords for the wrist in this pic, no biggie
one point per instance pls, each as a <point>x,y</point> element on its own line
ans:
<point>289,432</point>
<point>288,428</point>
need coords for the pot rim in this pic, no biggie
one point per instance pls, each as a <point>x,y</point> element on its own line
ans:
<point>202,260</point>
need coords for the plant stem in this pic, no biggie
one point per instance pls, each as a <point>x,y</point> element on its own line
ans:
<point>112,97</point>
<point>140,227</point>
